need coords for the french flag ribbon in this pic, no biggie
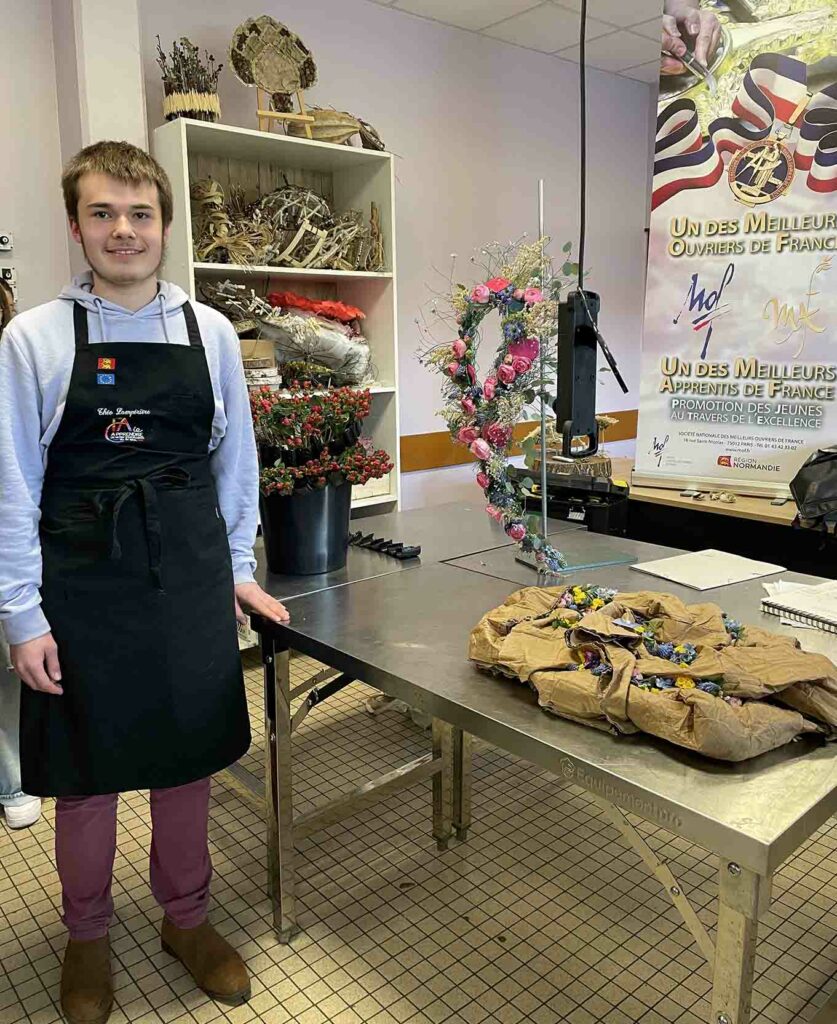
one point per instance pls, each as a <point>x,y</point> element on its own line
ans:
<point>682,158</point>
<point>772,90</point>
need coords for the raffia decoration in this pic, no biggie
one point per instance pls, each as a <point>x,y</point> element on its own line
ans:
<point>338,127</point>
<point>181,104</point>
<point>265,53</point>
<point>218,238</point>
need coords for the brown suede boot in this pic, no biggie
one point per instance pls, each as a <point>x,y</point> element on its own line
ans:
<point>210,959</point>
<point>86,985</point>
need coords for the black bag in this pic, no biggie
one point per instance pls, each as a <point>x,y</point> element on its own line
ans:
<point>814,489</point>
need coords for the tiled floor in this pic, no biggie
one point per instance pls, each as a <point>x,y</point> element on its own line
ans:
<point>542,916</point>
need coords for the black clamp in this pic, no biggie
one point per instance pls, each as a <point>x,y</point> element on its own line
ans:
<point>402,552</point>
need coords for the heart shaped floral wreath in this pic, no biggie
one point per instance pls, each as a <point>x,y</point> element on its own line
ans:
<point>481,416</point>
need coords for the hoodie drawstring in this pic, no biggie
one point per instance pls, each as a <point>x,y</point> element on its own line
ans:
<point>160,298</point>
<point>100,311</point>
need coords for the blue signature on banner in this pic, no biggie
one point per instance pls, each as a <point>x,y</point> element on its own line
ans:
<point>657,448</point>
<point>708,305</point>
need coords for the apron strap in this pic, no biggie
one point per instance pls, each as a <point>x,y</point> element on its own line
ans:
<point>80,326</point>
<point>195,340</point>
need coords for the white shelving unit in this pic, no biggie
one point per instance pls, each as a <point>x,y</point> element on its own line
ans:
<point>350,179</point>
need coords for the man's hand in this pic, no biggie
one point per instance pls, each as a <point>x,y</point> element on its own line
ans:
<point>249,597</point>
<point>36,662</point>
<point>683,18</point>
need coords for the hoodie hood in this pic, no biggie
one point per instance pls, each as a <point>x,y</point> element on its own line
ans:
<point>119,324</point>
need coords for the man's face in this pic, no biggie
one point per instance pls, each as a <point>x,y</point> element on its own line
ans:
<point>120,228</point>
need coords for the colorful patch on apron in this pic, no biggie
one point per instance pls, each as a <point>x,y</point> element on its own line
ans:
<point>105,378</point>
<point>106,363</point>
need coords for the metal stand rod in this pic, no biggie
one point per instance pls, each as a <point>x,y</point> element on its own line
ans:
<point>443,784</point>
<point>542,351</point>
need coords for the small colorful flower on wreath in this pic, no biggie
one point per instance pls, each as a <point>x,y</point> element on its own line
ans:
<point>684,683</point>
<point>506,374</point>
<point>496,434</point>
<point>484,480</point>
<point>481,448</point>
<point>497,284</point>
<point>495,513</point>
<point>709,687</point>
<point>467,435</point>
<point>481,294</point>
<point>489,388</point>
<point>517,531</point>
<point>532,295</point>
<point>521,365</point>
<point>468,406</point>
<point>459,348</point>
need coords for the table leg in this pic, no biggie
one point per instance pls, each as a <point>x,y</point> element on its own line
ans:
<point>279,788</point>
<point>443,783</point>
<point>743,896</point>
<point>462,757</point>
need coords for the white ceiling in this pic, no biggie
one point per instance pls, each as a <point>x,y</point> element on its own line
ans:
<point>623,36</point>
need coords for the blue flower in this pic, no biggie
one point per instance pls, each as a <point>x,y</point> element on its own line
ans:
<point>708,687</point>
<point>665,650</point>
<point>664,683</point>
<point>602,669</point>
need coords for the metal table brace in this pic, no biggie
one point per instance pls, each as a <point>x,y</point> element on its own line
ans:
<point>448,764</point>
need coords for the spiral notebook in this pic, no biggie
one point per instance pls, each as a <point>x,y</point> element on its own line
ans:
<point>810,606</point>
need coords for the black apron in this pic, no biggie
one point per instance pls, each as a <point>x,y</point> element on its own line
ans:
<point>137,580</point>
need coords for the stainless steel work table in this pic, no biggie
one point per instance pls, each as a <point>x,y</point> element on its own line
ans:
<point>407,634</point>
<point>442,532</point>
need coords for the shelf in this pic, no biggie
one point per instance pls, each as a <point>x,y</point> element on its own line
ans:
<point>227,141</point>
<point>378,499</point>
<point>379,389</point>
<point>239,270</point>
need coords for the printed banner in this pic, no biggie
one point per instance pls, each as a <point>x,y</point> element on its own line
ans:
<point>739,352</point>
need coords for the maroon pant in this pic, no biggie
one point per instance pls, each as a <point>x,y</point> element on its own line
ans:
<point>180,870</point>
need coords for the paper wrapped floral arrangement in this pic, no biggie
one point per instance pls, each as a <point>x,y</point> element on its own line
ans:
<point>647,662</point>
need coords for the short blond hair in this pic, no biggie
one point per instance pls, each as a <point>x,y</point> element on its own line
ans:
<point>120,160</point>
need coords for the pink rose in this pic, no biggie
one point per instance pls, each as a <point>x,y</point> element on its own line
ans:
<point>506,373</point>
<point>521,365</point>
<point>481,449</point>
<point>472,374</point>
<point>517,531</point>
<point>497,284</point>
<point>459,348</point>
<point>467,435</point>
<point>495,513</point>
<point>526,347</point>
<point>453,369</point>
<point>489,388</point>
<point>532,295</point>
<point>468,406</point>
<point>481,293</point>
<point>483,479</point>
<point>518,294</point>
<point>497,435</point>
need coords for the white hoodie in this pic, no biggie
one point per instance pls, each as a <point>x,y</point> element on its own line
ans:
<point>36,359</point>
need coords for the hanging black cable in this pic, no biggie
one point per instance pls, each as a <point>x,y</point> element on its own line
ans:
<point>582,69</point>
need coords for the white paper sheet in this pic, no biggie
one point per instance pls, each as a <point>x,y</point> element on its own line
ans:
<point>705,570</point>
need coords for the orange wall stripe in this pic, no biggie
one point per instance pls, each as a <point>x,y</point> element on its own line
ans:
<point>436,450</point>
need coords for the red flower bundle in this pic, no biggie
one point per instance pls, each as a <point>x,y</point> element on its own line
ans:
<point>330,308</point>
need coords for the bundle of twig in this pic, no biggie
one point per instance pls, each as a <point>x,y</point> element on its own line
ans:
<point>184,71</point>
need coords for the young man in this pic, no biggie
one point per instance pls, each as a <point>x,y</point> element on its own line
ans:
<point>129,481</point>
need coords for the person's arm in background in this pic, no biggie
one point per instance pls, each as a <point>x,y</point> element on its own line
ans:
<point>33,651</point>
<point>683,21</point>
<point>235,468</point>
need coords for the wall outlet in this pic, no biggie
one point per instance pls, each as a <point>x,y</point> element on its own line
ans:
<point>7,241</point>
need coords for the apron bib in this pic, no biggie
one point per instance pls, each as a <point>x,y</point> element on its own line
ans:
<point>137,580</point>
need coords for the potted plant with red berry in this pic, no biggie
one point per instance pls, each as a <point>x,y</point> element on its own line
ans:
<point>311,453</point>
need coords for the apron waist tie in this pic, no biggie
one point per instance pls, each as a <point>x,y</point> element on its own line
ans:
<point>146,488</point>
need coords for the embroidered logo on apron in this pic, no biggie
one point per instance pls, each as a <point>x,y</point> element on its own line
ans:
<point>106,364</point>
<point>105,378</point>
<point>119,431</point>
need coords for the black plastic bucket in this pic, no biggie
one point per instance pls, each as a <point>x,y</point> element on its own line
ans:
<point>307,532</point>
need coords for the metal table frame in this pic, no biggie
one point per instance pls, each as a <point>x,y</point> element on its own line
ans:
<point>744,887</point>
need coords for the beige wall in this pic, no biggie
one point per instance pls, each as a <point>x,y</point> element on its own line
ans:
<point>30,194</point>
<point>474,123</point>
